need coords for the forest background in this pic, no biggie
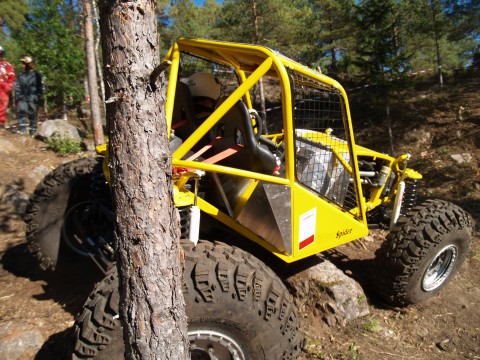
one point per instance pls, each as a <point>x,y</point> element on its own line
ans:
<point>359,42</point>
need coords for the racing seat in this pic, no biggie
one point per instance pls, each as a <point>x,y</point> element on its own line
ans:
<point>183,119</point>
<point>236,132</point>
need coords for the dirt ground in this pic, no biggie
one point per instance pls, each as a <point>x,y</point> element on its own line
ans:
<point>446,327</point>
<point>29,299</point>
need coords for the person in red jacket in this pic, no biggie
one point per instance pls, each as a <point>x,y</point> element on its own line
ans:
<point>7,79</point>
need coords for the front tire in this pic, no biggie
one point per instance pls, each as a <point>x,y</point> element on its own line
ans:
<point>423,252</point>
<point>237,308</point>
<point>70,207</point>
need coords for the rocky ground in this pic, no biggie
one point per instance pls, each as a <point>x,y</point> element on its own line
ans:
<point>36,311</point>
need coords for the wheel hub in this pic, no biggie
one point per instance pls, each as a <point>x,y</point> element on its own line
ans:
<point>213,345</point>
<point>440,268</point>
<point>87,229</point>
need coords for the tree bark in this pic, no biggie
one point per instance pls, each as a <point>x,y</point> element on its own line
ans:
<point>437,42</point>
<point>92,75</point>
<point>96,37</point>
<point>263,111</point>
<point>389,126</point>
<point>152,307</point>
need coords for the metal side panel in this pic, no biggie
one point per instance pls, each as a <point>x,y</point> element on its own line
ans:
<point>268,214</point>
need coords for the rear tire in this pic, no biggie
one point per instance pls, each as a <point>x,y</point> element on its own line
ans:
<point>64,209</point>
<point>423,252</point>
<point>237,308</point>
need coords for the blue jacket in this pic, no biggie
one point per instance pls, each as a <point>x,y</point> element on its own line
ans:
<point>29,86</point>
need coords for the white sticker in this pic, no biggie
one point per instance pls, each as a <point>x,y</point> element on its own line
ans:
<point>308,223</point>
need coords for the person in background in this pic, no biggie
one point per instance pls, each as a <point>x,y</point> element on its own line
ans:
<point>28,92</point>
<point>7,79</point>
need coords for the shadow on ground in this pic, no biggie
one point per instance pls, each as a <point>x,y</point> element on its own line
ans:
<point>56,347</point>
<point>69,285</point>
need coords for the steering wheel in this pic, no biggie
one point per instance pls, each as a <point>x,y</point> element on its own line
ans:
<point>257,123</point>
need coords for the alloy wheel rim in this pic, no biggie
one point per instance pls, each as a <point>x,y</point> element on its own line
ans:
<point>440,268</point>
<point>213,345</point>
<point>75,227</point>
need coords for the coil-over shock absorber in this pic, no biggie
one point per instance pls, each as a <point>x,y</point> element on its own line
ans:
<point>409,196</point>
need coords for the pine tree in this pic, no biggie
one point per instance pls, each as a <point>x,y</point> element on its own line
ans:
<point>189,20</point>
<point>273,23</point>
<point>382,55</point>
<point>56,48</point>
<point>330,31</point>
<point>440,34</point>
<point>12,16</point>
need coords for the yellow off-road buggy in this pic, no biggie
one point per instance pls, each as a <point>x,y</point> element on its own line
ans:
<point>274,184</point>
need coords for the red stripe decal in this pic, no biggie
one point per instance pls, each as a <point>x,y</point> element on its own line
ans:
<point>306,242</point>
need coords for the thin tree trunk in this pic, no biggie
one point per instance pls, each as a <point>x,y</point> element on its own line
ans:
<point>92,75</point>
<point>64,108</point>
<point>87,124</point>
<point>437,44</point>
<point>333,51</point>
<point>334,60</point>
<point>71,15</point>
<point>45,108</point>
<point>263,111</point>
<point>85,88</point>
<point>386,101</point>
<point>255,22</point>
<point>152,308</point>
<point>389,126</point>
<point>97,57</point>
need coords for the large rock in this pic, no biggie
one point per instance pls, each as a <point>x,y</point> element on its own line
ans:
<point>324,291</point>
<point>19,341</point>
<point>58,128</point>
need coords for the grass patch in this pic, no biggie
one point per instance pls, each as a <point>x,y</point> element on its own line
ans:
<point>361,299</point>
<point>443,151</point>
<point>354,351</point>
<point>475,255</point>
<point>64,146</point>
<point>372,325</point>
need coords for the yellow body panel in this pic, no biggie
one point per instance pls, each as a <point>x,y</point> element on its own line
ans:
<point>319,225</point>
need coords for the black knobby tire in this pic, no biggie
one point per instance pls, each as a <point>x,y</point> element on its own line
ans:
<point>66,187</point>
<point>97,331</point>
<point>423,252</point>
<point>236,307</point>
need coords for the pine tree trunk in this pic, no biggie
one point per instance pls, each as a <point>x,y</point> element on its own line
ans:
<point>263,111</point>
<point>389,126</point>
<point>96,37</point>
<point>92,75</point>
<point>152,307</point>
<point>437,42</point>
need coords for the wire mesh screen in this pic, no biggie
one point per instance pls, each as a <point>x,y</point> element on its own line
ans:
<point>226,75</point>
<point>323,160</point>
<point>269,92</point>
